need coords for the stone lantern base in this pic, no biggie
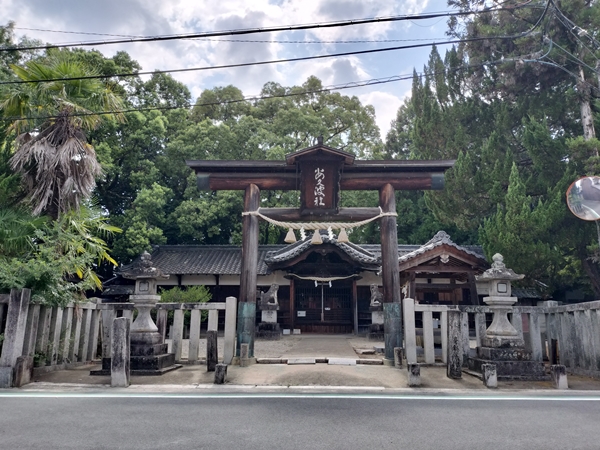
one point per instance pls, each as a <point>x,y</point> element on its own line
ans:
<point>509,356</point>
<point>512,362</point>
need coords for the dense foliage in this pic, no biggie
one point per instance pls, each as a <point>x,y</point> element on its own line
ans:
<point>514,114</point>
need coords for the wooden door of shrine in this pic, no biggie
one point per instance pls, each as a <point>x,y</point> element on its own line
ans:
<point>323,308</point>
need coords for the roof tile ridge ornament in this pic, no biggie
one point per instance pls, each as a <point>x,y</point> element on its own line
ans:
<point>499,271</point>
<point>440,236</point>
<point>143,268</point>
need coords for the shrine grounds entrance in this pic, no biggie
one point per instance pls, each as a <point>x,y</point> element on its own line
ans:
<point>320,173</point>
<point>323,308</point>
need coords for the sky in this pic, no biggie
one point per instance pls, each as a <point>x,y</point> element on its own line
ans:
<point>160,17</point>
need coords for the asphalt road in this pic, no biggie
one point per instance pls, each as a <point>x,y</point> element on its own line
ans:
<point>332,421</point>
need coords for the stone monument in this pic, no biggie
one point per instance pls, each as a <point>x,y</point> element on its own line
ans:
<point>502,345</point>
<point>268,328</point>
<point>148,351</point>
<point>376,329</point>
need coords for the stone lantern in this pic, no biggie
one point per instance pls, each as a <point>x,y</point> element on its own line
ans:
<point>148,351</point>
<point>503,347</point>
<point>501,332</point>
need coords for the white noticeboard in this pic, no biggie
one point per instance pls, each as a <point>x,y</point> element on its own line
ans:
<point>301,313</point>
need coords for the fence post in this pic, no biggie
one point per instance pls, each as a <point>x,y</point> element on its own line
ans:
<point>108,315</point>
<point>177,333</point>
<point>517,322</point>
<point>14,334</point>
<point>55,329</point>
<point>120,353</point>
<point>564,341</point>
<point>31,329</point>
<point>92,351</point>
<point>161,322</point>
<point>66,334</point>
<point>230,332</point>
<point>194,335</point>
<point>84,341</point>
<point>535,337</point>
<point>75,354</point>
<point>43,334</point>
<point>410,340</point>
<point>428,345</point>
<point>444,335</point>
<point>455,345</point>
<point>595,318</point>
<point>588,351</point>
<point>465,340</point>
<point>212,354</point>
<point>480,328</point>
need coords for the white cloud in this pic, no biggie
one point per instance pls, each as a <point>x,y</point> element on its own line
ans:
<point>155,17</point>
<point>386,106</point>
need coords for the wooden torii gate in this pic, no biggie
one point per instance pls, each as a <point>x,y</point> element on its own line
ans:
<point>320,173</point>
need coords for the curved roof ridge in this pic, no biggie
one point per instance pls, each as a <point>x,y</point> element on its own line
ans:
<point>440,238</point>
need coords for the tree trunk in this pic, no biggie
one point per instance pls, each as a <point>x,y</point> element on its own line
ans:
<point>593,272</point>
<point>587,119</point>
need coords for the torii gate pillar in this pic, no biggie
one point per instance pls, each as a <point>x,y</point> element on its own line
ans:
<point>390,277</point>
<point>247,305</point>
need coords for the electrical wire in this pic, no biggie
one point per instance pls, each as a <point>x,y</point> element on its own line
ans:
<point>247,31</point>
<point>349,85</point>
<point>252,41</point>
<point>572,25</point>
<point>287,60</point>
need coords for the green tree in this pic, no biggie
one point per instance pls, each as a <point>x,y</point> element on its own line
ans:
<point>58,166</point>
<point>56,259</point>
<point>514,126</point>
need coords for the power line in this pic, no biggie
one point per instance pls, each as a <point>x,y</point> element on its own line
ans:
<point>349,85</point>
<point>287,60</point>
<point>247,31</point>
<point>238,65</point>
<point>259,41</point>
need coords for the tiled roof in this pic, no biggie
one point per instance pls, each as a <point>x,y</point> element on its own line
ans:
<point>441,238</point>
<point>227,259</point>
<point>526,293</point>
<point>205,259</point>
<point>355,252</point>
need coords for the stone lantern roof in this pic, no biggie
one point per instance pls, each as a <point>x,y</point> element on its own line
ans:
<point>499,278</point>
<point>143,268</point>
<point>499,271</point>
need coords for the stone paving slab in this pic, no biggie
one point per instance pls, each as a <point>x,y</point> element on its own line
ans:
<point>370,362</point>
<point>292,361</point>
<point>341,362</point>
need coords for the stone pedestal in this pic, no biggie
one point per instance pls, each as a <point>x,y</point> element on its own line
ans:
<point>148,351</point>
<point>376,329</point>
<point>512,362</point>
<point>268,328</point>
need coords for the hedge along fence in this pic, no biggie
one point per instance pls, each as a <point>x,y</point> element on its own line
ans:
<point>55,337</point>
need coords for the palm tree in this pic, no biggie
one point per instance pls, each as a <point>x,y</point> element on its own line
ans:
<point>50,116</point>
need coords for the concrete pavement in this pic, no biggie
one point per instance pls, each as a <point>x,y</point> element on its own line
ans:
<point>310,376</point>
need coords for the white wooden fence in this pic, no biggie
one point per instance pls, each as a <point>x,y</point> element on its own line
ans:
<point>569,334</point>
<point>179,329</point>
